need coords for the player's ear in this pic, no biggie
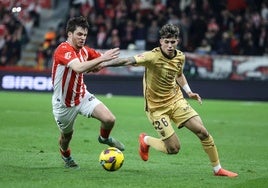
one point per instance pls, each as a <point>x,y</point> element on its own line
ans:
<point>69,33</point>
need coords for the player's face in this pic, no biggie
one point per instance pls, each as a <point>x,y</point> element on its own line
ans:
<point>78,37</point>
<point>169,45</point>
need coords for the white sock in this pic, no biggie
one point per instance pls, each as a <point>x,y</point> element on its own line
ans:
<point>145,139</point>
<point>217,168</point>
<point>103,139</point>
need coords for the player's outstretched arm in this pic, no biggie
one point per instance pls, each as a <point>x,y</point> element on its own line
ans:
<point>91,65</point>
<point>119,62</point>
<point>115,63</point>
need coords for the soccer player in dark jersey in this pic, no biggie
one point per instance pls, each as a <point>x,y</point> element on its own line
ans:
<point>70,95</point>
<point>164,100</point>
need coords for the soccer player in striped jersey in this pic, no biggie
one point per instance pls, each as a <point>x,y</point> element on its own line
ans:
<point>70,95</point>
<point>164,100</point>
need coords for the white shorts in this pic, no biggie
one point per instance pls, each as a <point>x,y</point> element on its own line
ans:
<point>65,116</point>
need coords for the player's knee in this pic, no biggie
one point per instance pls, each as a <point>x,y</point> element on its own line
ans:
<point>109,120</point>
<point>202,134</point>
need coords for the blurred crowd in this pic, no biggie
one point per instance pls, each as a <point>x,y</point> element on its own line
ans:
<point>211,27</point>
<point>17,21</point>
<point>225,27</point>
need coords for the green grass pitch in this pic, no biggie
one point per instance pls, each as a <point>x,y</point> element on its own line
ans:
<point>29,155</point>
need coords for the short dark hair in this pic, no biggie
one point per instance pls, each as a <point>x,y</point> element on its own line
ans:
<point>75,22</point>
<point>169,31</point>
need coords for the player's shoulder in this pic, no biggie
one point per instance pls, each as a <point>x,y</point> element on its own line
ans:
<point>147,54</point>
<point>64,46</point>
<point>180,53</point>
<point>156,50</point>
<point>91,51</point>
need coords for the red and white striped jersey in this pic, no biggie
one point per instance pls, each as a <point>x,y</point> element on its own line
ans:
<point>68,85</point>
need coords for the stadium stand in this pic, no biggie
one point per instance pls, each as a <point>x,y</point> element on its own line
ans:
<point>207,27</point>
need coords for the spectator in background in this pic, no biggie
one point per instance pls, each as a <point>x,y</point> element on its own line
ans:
<point>159,6</point>
<point>100,6</point>
<point>86,8</point>
<point>247,45</point>
<point>152,35</point>
<point>145,6</point>
<point>173,18</point>
<point>45,50</point>
<point>234,44</point>
<point>184,25</point>
<point>49,45</point>
<point>15,46</point>
<point>262,41</point>
<point>40,58</point>
<point>34,10</point>
<point>204,48</point>
<point>264,11</point>
<point>127,34</point>
<point>140,32</point>
<point>113,41</point>
<point>198,24</point>
<point>28,23</point>
<point>49,36</point>
<point>101,36</point>
<point>223,46</point>
<point>2,43</point>
<point>61,36</point>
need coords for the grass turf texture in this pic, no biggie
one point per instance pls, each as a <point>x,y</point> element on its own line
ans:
<point>29,155</point>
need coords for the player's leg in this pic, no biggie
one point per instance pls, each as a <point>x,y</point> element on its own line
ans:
<point>92,107</point>
<point>170,145</point>
<point>65,118</point>
<point>168,141</point>
<point>64,141</point>
<point>195,125</point>
<point>107,119</point>
<point>65,150</point>
<point>185,115</point>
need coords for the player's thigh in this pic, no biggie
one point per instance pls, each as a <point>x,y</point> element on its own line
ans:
<point>88,105</point>
<point>93,107</point>
<point>182,112</point>
<point>161,123</point>
<point>65,118</point>
<point>102,113</point>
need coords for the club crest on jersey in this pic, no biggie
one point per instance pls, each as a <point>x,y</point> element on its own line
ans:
<point>67,55</point>
<point>179,64</point>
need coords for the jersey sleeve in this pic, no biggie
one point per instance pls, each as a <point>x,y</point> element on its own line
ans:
<point>144,58</point>
<point>92,54</point>
<point>65,55</point>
